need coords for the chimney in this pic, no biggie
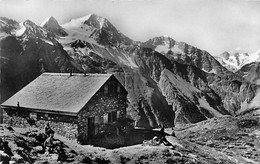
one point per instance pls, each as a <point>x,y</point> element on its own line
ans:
<point>18,105</point>
<point>85,74</point>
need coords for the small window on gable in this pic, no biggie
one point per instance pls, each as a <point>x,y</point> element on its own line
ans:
<point>33,116</point>
<point>112,88</point>
<point>106,89</point>
<point>118,88</point>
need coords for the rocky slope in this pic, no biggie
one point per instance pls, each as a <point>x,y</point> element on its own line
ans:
<point>168,82</point>
<point>251,72</point>
<point>236,137</point>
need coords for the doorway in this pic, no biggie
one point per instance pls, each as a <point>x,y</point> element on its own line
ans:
<point>91,127</point>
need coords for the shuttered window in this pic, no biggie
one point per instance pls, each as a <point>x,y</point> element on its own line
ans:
<point>105,118</point>
<point>112,116</point>
<point>118,114</point>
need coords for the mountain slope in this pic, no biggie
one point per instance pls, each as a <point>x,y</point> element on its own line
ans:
<point>251,72</point>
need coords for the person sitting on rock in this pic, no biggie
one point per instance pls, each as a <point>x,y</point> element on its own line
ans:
<point>1,144</point>
<point>48,143</point>
<point>61,154</point>
<point>162,138</point>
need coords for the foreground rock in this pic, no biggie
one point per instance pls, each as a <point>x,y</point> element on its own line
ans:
<point>236,137</point>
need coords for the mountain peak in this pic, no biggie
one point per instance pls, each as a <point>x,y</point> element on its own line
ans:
<point>90,20</point>
<point>225,55</point>
<point>96,21</point>
<point>50,21</point>
<point>52,25</point>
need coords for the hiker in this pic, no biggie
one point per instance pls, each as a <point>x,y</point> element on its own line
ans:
<point>162,133</point>
<point>162,138</point>
<point>48,130</point>
<point>49,143</point>
<point>61,154</point>
<point>1,144</point>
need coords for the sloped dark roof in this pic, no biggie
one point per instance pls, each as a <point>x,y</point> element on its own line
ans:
<point>58,92</point>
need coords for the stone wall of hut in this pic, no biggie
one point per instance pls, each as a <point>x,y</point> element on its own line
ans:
<point>107,100</point>
<point>62,125</point>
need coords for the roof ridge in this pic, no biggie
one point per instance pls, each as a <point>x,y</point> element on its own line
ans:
<point>74,74</point>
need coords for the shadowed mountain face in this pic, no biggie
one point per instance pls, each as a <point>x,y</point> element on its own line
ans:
<point>168,82</point>
<point>26,51</point>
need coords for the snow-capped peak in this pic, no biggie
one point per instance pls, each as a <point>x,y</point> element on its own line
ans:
<point>49,19</point>
<point>77,22</point>
<point>237,60</point>
<point>90,20</point>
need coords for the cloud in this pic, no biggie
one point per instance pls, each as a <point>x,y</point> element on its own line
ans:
<point>238,49</point>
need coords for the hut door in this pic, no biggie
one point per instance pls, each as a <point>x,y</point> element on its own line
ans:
<point>91,127</point>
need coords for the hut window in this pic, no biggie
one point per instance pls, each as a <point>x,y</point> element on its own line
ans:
<point>106,89</point>
<point>105,118</point>
<point>33,116</point>
<point>112,116</point>
<point>112,87</point>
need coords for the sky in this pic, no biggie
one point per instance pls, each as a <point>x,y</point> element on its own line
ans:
<point>212,25</point>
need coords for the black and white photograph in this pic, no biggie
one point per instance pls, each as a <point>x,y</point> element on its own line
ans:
<point>130,81</point>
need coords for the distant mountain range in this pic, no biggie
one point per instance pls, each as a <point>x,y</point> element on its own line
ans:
<point>244,64</point>
<point>236,61</point>
<point>168,82</point>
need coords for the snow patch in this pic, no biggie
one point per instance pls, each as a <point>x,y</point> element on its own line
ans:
<point>162,48</point>
<point>78,31</point>
<point>76,22</point>
<point>212,71</point>
<point>21,30</point>
<point>47,41</point>
<point>177,50</point>
<point>166,48</point>
<point>204,104</point>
